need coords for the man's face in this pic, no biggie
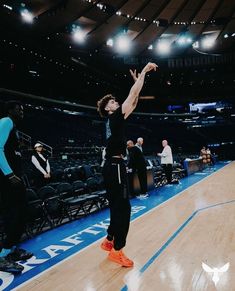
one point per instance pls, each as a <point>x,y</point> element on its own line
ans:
<point>164,143</point>
<point>130,144</point>
<point>112,105</point>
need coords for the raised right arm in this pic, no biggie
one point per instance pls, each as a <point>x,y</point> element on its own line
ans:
<point>131,101</point>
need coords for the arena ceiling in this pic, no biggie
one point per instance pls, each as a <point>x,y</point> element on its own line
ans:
<point>144,21</point>
<point>39,54</point>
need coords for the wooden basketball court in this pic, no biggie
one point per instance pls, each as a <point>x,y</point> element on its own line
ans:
<point>168,245</point>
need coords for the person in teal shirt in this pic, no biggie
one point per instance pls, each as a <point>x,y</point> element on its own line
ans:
<point>12,190</point>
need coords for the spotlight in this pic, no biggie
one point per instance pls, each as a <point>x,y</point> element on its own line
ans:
<point>27,16</point>
<point>7,6</point>
<point>208,42</point>
<point>109,42</point>
<point>123,43</point>
<point>163,47</point>
<point>182,40</point>
<point>196,44</point>
<point>79,35</point>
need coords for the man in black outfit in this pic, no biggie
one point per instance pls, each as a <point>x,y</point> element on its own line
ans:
<point>137,164</point>
<point>12,189</point>
<point>114,171</point>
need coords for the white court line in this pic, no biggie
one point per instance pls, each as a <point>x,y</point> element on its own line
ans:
<point>176,195</point>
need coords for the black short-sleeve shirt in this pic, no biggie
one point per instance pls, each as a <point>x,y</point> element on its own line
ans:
<point>115,134</point>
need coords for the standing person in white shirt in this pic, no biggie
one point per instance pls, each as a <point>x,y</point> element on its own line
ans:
<point>166,160</point>
<point>41,166</point>
<point>139,143</point>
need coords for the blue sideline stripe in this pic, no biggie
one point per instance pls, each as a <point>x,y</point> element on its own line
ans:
<point>157,254</point>
<point>56,235</point>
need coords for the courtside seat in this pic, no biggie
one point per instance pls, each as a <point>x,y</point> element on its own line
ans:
<point>36,214</point>
<point>94,187</point>
<point>52,204</point>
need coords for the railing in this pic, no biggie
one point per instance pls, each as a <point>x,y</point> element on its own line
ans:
<point>26,139</point>
<point>47,148</point>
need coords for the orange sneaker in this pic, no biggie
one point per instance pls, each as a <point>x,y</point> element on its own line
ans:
<point>107,245</point>
<point>120,258</point>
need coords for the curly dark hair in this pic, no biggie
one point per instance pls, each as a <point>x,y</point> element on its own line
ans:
<point>101,104</point>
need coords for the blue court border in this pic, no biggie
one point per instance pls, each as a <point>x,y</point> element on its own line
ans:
<point>175,234</point>
<point>36,244</point>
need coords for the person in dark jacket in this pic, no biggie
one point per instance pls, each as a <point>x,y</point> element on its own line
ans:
<point>137,164</point>
<point>41,165</point>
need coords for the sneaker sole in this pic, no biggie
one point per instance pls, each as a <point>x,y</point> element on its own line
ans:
<point>12,271</point>
<point>21,259</point>
<point>105,249</point>
<point>120,263</point>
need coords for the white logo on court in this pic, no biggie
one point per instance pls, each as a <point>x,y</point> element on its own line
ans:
<point>215,271</point>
